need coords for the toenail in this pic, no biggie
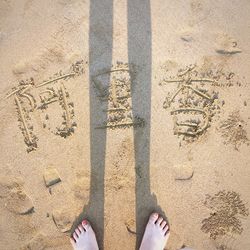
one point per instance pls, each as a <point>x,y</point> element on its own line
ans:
<point>84,222</point>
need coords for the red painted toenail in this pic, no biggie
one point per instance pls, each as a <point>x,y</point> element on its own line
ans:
<point>84,222</point>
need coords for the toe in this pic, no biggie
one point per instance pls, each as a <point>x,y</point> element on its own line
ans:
<point>159,221</point>
<point>75,236</point>
<point>163,224</point>
<point>77,231</point>
<point>166,229</point>
<point>72,241</point>
<point>166,235</point>
<point>85,224</point>
<point>153,218</point>
<point>81,229</point>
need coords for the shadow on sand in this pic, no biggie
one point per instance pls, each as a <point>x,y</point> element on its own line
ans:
<point>140,53</point>
<point>100,56</point>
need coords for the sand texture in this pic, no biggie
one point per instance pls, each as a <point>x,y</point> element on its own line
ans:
<point>112,109</point>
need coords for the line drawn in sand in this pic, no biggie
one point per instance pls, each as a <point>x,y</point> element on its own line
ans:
<point>192,105</point>
<point>30,97</point>
<point>25,104</point>
<point>227,211</point>
<point>117,93</point>
<point>27,130</point>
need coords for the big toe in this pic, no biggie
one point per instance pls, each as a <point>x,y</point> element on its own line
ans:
<point>153,218</point>
<point>86,225</point>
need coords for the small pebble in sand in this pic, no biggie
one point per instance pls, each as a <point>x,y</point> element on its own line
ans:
<point>186,36</point>
<point>183,171</point>
<point>51,176</point>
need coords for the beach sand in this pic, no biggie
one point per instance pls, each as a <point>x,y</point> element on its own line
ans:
<point>113,109</point>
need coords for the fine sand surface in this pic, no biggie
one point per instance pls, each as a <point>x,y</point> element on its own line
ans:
<point>113,109</point>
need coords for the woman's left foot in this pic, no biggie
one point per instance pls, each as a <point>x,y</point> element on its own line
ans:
<point>84,237</point>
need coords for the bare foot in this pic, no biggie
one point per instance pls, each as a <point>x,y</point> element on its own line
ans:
<point>84,237</point>
<point>156,233</point>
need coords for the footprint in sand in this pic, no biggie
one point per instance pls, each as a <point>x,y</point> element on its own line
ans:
<point>41,241</point>
<point>14,197</point>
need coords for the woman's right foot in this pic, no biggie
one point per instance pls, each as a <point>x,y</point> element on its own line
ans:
<point>84,237</point>
<point>156,233</point>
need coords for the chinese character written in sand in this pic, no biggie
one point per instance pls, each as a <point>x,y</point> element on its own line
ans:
<point>45,97</point>
<point>118,95</point>
<point>192,106</point>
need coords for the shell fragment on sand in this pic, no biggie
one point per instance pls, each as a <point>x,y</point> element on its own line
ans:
<point>131,226</point>
<point>51,176</point>
<point>228,51</point>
